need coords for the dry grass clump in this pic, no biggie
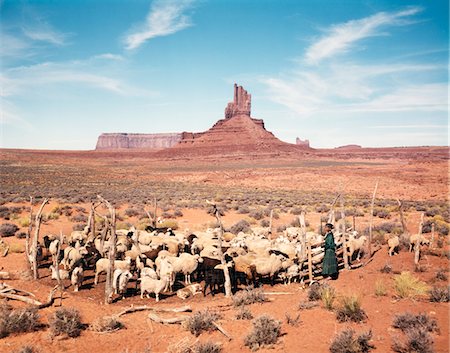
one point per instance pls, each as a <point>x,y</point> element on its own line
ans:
<point>386,269</point>
<point>266,331</point>
<point>207,347</point>
<point>26,349</point>
<point>106,324</point>
<point>440,294</point>
<point>244,313</point>
<point>441,275</point>
<point>201,321</point>
<point>328,295</point>
<point>249,296</point>
<point>350,310</point>
<point>293,321</point>
<point>407,321</point>
<point>408,286</point>
<point>380,288</point>
<point>306,305</point>
<point>314,292</point>
<point>347,342</point>
<point>65,322</point>
<point>17,321</point>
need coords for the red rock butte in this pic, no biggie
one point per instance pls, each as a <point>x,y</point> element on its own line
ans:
<point>238,131</point>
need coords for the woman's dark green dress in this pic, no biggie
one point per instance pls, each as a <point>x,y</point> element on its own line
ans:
<point>330,266</point>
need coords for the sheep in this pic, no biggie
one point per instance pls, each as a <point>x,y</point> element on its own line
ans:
<point>149,272</point>
<point>214,277</point>
<point>79,235</point>
<point>77,278</point>
<point>356,245</point>
<point>53,249</point>
<point>166,270</point>
<point>102,265</point>
<point>292,273</point>
<point>189,290</point>
<point>269,266</point>
<point>393,243</point>
<point>72,256</point>
<point>120,280</point>
<point>244,270</point>
<point>187,264</point>
<point>152,285</point>
<point>63,274</point>
<point>210,251</point>
<point>416,240</point>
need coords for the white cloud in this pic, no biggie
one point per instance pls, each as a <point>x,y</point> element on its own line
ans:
<point>44,33</point>
<point>358,88</point>
<point>165,17</point>
<point>341,37</point>
<point>109,56</point>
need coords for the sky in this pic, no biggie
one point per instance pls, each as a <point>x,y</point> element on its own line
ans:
<point>368,72</point>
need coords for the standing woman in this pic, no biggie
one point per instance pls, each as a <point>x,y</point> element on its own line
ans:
<point>330,265</point>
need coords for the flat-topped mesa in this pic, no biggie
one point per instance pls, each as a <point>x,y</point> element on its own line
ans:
<point>111,141</point>
<point>241,105</point>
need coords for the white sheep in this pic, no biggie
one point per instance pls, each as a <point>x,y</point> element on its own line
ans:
<point>393,243</point>
<point>269,266</point>
<point>186,264</point>
<point>102,265</point>
<point>416,240</point>
<point>79,235</point>
<point>53,249</point>
<point>149,272</point>
<point>292,273</point>
<point>356,245</point>
<point>72,256</point>
<point>166,271</point>
<point>120,280</point>
<point>77,278</point>
<point>189,290</point>
<point>63,274</point>
<point>152,285</point>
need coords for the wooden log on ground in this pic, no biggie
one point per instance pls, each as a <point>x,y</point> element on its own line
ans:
<point>5,275</point>
<point>221,330</point>
<point>133,309</point>
<point>170,320</point>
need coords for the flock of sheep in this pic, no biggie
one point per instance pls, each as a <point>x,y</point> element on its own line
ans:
<point>155,258</point>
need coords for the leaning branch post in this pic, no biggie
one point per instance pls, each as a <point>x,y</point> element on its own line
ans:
<point>34,249</point>
<point>371,217</point>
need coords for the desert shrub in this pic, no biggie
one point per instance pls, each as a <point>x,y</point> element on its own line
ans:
<point>350,309</point>
<point>66,210</point>
<point>266,330</point>
<point>21,235</point>
<point>26,349</point>
<point>4,212</point>
<point>207,347</point>
<point>240,226</point>
<point>417,341</point>
<point>441,275</point>
<point>78,226</point>
<point>381,213</point>
<point>244,313</point>
<point>347,342</point>
<point>65,322</point>
<point>387,268</point>
<point>243,210</point>
<point>354,212</point>
<point>264,223</point>
<point>322,209</point>
<point>18,320</point>
<point>52,216</point>
<point>256,214</point>
<point>17,248</point>
<point>106,324</point>
<point>440,294</point>
<point>296,211</point>
<point>80,209</point>
<point>380,288</point>
<point>293,321</point>
<point>169,223</point>
<point>249,296</point>
<point>408,286</point>
<point>178,213</point>
<point>407,321</point>
<point>281,228</point>
<point>80,218</point>
<point>123,225</point>
<point>314,292</point>
<point>431,212</point>
<point>201,321</point>
<point>131,212</point>
<point>307,305</point>
<point>8,229</point>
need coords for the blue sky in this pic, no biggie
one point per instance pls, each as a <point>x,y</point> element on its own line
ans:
<point>373,73</point>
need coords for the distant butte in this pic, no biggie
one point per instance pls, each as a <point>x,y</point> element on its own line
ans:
<point>238,131</point>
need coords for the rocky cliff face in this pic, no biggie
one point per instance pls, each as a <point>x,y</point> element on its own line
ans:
<point>137,141</point>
